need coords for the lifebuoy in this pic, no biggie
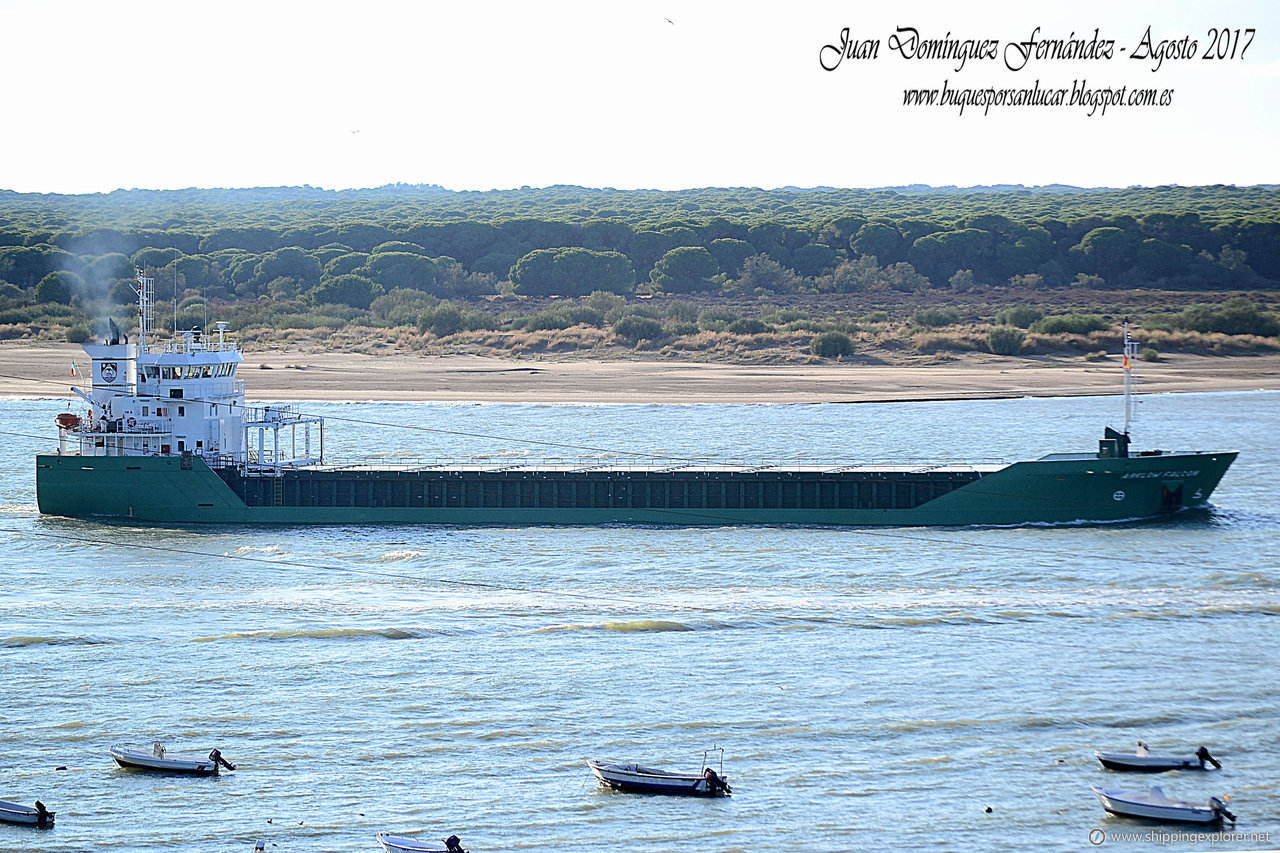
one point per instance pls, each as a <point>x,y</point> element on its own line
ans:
<point>132,423</point>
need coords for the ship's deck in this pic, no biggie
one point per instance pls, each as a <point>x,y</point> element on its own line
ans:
<point>617,466</point>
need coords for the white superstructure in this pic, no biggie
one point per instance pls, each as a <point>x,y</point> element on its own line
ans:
<point>182,397</point>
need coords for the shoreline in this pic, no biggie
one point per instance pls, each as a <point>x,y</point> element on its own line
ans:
<point>44,371</point>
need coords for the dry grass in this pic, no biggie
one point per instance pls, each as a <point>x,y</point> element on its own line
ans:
<point>889,338</point>
<point>935,342</point>
<point>573,339</point>
<point>18,331</point>
<point>890,343</point>
<point>1209,342</point>
<point>1065,343</point>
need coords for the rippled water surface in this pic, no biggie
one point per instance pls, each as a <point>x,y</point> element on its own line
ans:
<point>872,689</point>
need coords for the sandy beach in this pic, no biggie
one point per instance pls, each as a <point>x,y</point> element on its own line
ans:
<point>45,371</point>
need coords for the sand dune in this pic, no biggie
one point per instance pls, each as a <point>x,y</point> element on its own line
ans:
<point>45,370</point>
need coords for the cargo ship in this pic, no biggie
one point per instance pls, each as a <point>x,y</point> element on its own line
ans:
<point>168,438</point>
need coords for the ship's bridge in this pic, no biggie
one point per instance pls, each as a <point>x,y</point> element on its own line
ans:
<point>182,396</point>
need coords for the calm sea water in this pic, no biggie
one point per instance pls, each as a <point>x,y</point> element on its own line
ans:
<point>872,689</point>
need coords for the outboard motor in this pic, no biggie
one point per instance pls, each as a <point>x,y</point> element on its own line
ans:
<point>715,783</point>
<point>1203,755</point>
<point>1220,809</point>
<point>216,757</point>
<point>453,845</point>
<point>44,817</point>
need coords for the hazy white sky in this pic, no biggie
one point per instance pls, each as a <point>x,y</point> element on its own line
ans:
<point>663,95</point>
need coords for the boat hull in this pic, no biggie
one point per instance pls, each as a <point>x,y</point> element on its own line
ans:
<point>1131,762</point>
<point>1151,806</point>
<point>1053,490</point>
<point>642,780</point>
<point>139,760</point>
<point>404,844</point>
<point>24,815</point>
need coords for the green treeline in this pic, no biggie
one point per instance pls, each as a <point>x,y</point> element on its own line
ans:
<point>325,253</point>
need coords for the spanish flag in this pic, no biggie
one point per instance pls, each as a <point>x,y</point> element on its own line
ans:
<point>1126,361</point>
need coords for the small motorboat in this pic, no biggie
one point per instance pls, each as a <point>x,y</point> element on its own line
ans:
<point>1155,805</point>
<point>36,815</point>
<point>158,759</point>
<point>1143,761</point>
<point>405,844</point>
<point>648,780</point>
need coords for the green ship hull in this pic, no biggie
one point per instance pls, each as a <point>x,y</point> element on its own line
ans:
<point>1056,489</point>
<point>169,439</point>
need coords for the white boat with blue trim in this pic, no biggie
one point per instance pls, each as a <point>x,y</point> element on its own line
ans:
<point>1143,761</point>
<point>1156,805</point>
<point>649,780</point>
<point>159,760</point>
<point>25,815</point>
<point>405,844</point>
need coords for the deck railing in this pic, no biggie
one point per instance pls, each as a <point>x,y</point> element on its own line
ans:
<point>651,465</point>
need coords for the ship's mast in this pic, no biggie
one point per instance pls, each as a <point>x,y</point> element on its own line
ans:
<point>1130,352</point>
<point>144,310</point>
